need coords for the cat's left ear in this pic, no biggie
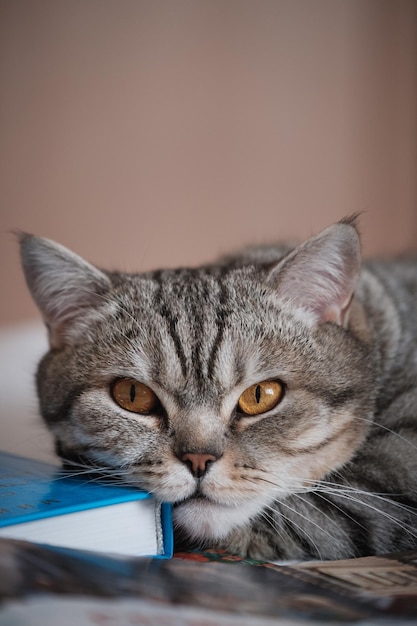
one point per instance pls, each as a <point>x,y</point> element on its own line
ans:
<point>63,285</point>
<point>317,280</point>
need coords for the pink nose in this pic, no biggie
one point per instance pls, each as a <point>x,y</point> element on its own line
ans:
<point>198,464</point>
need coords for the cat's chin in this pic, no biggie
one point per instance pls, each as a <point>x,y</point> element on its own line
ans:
<point>202,519</point>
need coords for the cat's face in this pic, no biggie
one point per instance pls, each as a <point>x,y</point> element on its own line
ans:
<point>213,388</point>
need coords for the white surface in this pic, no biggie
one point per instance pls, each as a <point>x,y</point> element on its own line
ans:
<point>47,610</point>
<point>21,429</point>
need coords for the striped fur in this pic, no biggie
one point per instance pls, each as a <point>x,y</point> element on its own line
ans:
<point>331,472</point>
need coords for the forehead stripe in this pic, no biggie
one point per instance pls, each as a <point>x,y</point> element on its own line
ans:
<point>172,326</point>
<point>222,314</point>
<point>171,321</point>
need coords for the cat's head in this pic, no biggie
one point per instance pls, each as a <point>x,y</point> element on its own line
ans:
<point>219,388</point>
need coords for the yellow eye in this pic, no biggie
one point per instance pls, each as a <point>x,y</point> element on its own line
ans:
<point>134,396</point>
<point>261,397</point>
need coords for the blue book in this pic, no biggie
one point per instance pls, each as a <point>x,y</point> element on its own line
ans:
<point>43,504</point>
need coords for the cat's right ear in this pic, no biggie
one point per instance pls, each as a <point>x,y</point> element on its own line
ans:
<point>316,281</point>
<point>62,284</point>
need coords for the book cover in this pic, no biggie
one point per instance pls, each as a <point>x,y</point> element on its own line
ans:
<point>41,503</point>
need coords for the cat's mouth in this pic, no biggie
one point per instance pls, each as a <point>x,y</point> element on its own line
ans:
<point>197,496</point>
<point>194,500</point>
<point>202,519</point>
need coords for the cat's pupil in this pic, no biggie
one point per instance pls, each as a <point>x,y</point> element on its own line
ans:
<point>258,394</point>
<point>132,393</point>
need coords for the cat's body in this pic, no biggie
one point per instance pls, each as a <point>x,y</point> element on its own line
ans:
<point>325,468</point>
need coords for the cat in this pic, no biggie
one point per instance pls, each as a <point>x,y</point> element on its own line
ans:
<point>271,396</point>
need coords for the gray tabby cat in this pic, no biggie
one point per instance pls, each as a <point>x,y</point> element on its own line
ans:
<point>272,397</point>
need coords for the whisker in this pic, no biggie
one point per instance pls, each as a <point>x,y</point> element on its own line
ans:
<point>321,512</point>
<point>284,503</point>
<point>300,528</point>
<point>353,519</point>
<point>81,469</point>
<point>386,428</point>
<point>404,526</point>
<point>371,494</point>
<point>290,508</point>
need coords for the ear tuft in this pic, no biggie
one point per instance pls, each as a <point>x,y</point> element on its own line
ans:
<point>62,284</point>
<point>318,278</point>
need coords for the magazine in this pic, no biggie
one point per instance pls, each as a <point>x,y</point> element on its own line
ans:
<point>45,585</point>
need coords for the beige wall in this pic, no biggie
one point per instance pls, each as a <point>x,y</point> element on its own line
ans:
<point>163,132</point>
